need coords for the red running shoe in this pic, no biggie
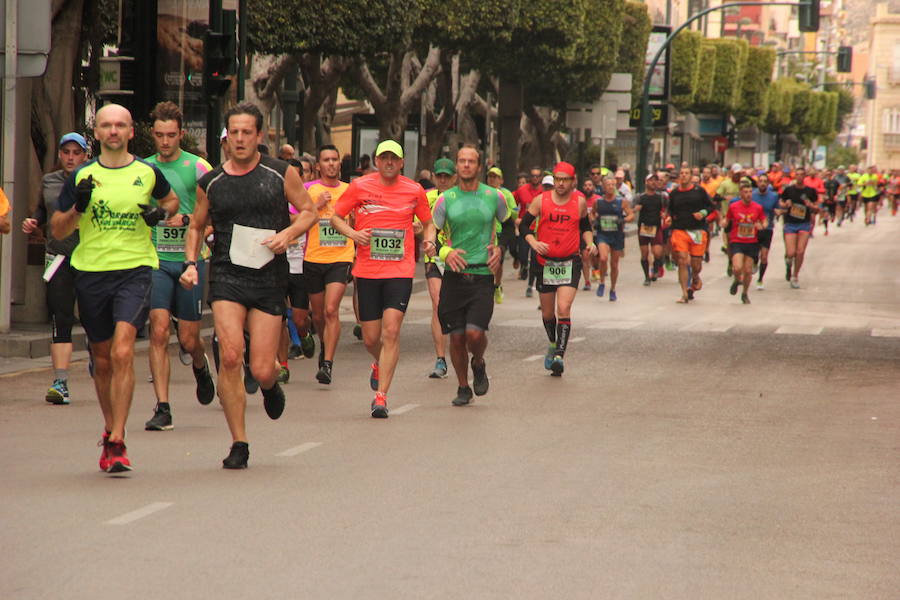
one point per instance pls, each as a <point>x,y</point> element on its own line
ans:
<point>118,459</point>
<point>379,406</point>
<point>104,454</point>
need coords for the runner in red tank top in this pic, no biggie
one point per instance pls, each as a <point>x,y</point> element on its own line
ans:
<point>563,226</point>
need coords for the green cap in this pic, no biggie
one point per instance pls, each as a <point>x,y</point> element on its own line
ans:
<point>444,166</point>
<point>495,171</point>
<point>389,146</point>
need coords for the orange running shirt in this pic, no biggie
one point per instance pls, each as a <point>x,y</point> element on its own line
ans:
<point>388,211</point>
<point>324,245</point>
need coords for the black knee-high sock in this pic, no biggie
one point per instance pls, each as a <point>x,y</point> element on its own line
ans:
<point>645,265</point>
<point>563,330</point>
<point>762,270</point>
<point>657,264</point>
<point>550,328</point>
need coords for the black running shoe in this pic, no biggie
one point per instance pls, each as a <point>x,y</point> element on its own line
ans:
<point>161,419</point>
<point>557,366</point>
<point>250,384</point>
<point>357,331</point>
<point>745,298</point>
<point>480,382</point>
<point>324,374</point>
<point>308,345</point>
<point>237,458</point>
<point>690,294</point>
<point>734,287</point>
<point>206,389</point>
<point>273,401</point>
<point>463,396</point>
<point>294,352</point>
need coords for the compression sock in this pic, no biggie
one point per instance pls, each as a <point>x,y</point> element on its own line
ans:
<point>762,270</point>
<point>563,329</point>
<point>645,265</point>
<point>61,374</point>
<point>657,264</point>
<point>550,328</point>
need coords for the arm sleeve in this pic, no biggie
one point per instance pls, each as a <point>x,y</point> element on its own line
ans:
<point>502,210</point>
<point>202,167</point>
<point>439,212</point>
<point>348,201</point>
<point>67,195</point>
<point>161,188</point>
<point>422,210</point>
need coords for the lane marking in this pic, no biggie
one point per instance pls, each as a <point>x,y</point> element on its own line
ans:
<point>616,325</point>
<point>576,339</point>
<point>139,513</point>
<point>704,326</point>
<point>799,330</point>
<point>533,358</point>
<point>306,447</point>
<point>403,409</point>
<point>886,333</point>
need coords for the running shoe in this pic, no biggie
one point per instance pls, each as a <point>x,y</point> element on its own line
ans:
<point>480,381</point>
<point>184,356</point>
<point>498,294</point>
<point>206,389</point>
<point>795,284</point>
<point>548,358</point>
<point>463,396</point>
<point>308,345</point>
<point>161,419</point>
<point>118,458</point>
<point>251,385</point>
<point>104,452</point>
<point>745,298</point>
<point>586,287</point>
<point>294,352</point>
<point>440,369</point>
<point>612,296</point>
<point>557,366</point>
<point>379,406</point>
<point>324,374</point>
<point>734,287</point>
<point>660,272</point>
<point>237,457</point>
<point>595,275</point>
<point>284,374</point>
<point>690,294</point>
<point>150,378</point>
<point>601,289</point>
<point>647,282</point>
<point>729,270</point>
<point>273,401</point>
<point>58,393</point>
<point>373,377</point>
<point>669,265</point>
<point>529,292</point>
<point>760,286</point>
<point>523,273</point>
<point>357,331</point>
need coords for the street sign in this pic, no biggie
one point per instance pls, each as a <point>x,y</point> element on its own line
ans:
<point>659,113</point>
<point>33,42</point>
<point>720,144</point>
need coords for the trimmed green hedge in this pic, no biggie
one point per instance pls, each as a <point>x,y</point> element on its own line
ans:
<point>753,102</point>
<point>705,76</point>
<point>685,68</point>
<point>633,49</point>
<point>728,76</point>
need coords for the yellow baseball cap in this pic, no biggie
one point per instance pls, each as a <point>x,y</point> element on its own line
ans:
<point>389,146</point>
<point>495,171</point>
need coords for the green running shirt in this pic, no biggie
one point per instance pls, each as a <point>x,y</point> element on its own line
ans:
<point>468,220</point>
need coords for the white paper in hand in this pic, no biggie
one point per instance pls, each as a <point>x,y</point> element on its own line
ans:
<point>247,249</point>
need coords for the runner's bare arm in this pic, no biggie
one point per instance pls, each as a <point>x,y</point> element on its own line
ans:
<point>629,213</point>
<point>193,238</point>
<point>296,194</point>
<point>62,224</point>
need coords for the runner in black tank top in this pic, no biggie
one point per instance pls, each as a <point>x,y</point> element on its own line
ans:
<point>651,206</point>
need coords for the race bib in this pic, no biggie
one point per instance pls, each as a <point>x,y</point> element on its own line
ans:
<point>647,230</point>
<point>557,272</point>
<point>387,244</point>
<point>798,211</point>
<point>52,263</point>
<point>746,230</point>
<point>609,223</point>
<point>696,235</point>
<point>170,239</point>
<point>329,236</point>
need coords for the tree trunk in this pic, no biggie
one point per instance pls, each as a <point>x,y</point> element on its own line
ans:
<point>545,125</point>
<point>326,116</point>
<point>321,81</point>
<point>266,75</point>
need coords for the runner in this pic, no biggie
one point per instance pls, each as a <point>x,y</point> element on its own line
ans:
<point>869,190</point>
<point>651,206</point>
<point>506,230</point>
<point>444,179</point>
<point>326,265</point>
<point>611,212</point>
<point>385,203</point>
<point>744,220</point>
<point>799,202</point>
<point>108,199</point>
<point>562,225</point>
<point>832,188</point>
<point>853,191</point>
<point>841,204</point>
<point>58,273</point>
<point>766,197</point>
<point>467,214</point>
<point>167,298</point>
<point>524,195</point>
<point>689,206</point>
<point>245,199</point>
<point>726,191</point>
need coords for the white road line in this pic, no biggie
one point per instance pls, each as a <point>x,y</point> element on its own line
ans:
<point>616,325</point>
<point>403,409</point>
<point>886,333</point>
<point>799,330</point>
<point>704,326</point>
<point>576,339</point>
<point>139,513</point>
<point>300,449</point>
<point>533,357</point>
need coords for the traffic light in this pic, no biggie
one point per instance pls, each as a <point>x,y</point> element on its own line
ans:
<point>218,63</point>
<point>845,59</point>
<point>809,15</point>
<point>869,88</point>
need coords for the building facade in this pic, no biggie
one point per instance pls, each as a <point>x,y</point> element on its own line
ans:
<point>883,113</point>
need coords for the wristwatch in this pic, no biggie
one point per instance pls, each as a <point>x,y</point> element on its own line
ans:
<point>188,263</point>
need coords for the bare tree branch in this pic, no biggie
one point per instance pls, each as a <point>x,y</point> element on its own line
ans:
<point>425,76</point>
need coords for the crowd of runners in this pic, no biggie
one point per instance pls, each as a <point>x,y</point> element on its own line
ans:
<point>275,243</point>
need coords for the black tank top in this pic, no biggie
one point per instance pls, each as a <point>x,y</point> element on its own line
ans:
<point>609,214</point>
<point>255,199</point>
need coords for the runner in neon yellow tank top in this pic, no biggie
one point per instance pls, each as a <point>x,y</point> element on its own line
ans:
<point>506,231</point>
<point>110,200</point>
<point>168,298</point>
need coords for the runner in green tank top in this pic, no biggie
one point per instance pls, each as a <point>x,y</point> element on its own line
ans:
<point>467,213</point>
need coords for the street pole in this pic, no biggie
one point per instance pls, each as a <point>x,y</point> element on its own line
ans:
<point>213,104</point>
<point>644,128</point>
<point>9,152</point>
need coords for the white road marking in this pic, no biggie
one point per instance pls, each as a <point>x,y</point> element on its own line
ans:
<point>422,321</point>
<point>403,409</point>
<point>799,330</point>
<point>616,325</point>
<point>886,333</point>
<point>300,449</point>
<point>576,339</point>
<point>705,326</point>
<point>139,513</point>
<point>533,358</point>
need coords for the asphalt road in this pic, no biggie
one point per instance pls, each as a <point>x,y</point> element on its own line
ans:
<point>713,450</point>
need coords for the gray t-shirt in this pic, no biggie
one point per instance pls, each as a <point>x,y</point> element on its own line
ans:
<point>51,186</point>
